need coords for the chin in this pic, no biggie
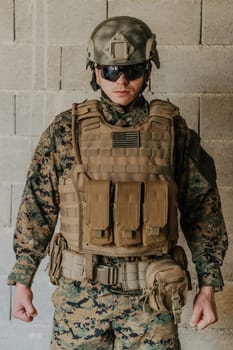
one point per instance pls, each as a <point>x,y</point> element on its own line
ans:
<point>122,102</point>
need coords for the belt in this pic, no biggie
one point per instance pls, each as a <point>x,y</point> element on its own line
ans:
<point>126,275</point>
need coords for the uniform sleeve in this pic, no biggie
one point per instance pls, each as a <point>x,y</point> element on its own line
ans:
<point>38,211</point>
<point>201,220</point>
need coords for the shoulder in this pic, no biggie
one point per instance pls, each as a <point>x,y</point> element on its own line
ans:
<point>163,108</point>
<point>62,119</point>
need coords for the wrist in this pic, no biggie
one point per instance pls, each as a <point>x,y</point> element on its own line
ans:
<point>21,286</point>
<point>208,290</point>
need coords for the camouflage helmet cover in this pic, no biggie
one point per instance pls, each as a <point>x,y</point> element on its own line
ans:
<point>122,40</point>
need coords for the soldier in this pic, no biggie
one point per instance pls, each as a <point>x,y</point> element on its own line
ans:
<point>118,169</point>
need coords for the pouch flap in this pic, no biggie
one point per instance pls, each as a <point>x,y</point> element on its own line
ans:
<point>156,204</point>
<point>98,193</point>
<point>128,205</point>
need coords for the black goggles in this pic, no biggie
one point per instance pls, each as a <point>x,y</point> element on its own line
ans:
<point>131,72</point>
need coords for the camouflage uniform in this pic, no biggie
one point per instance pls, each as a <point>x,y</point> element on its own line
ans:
<point>92,314</point>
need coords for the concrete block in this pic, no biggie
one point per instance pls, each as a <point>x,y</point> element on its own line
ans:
<point>4,301</point>
<point>24,20</point>
<point>30,21</point>
<point>74,75</point>
<point>217,22</point>
<point>216,117</point>
<point>25,336</point>
<point>73,23</point>
<point>188,105</point>
<point>188,307</point>
<point>226,194</point>
<point>7,257</point>
<point>7,114</point>
<point>5,204</point>
<point>60,101</point>
<point>17,192</point>
<point>6,21</point>
<point>35,141</point>
<point>29,114</point>
<point>224,303</point>
<point>15,67</point>
<point>53,68</point>
<point>47,67</point>
<point>174,22</point>
<point>194,70</point>
<point>42,290</point>
<point>222,153</point>
<point>228,261</point>
<point>207,339</point>
<point>14,158</point>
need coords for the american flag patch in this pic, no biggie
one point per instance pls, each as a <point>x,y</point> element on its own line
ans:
<point>127,139</point>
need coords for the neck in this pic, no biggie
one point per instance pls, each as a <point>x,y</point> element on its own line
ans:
<point>126,108</point>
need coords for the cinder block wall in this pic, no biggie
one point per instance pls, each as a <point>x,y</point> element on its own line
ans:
<point>42,60</point>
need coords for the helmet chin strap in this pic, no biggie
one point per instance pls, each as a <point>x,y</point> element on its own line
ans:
<point>93,81</point>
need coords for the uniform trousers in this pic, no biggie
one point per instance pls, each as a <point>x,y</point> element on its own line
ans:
<point>91,316</point>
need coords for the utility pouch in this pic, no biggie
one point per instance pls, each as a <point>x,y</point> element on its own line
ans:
<point>97,224</point>
<point>166,285</point>
<point>155,213</point>
<point>56,247</point>
<point>127,214</point>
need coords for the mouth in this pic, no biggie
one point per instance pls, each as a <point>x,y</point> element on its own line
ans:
<point>122,92</point>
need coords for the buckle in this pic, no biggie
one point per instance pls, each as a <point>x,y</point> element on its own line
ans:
<point>107,275</point>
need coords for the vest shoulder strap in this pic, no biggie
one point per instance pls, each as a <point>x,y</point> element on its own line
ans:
<point>160,108</point>
<point>86,109</point>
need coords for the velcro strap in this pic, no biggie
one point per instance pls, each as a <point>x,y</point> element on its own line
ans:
<point>127,275</point>
<point>98,198</point>
<point>73,265</point>
<point>127,213</point>
<point>98,213</point>
<point>156,205</point>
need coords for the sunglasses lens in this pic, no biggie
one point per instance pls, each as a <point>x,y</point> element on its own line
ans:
<point>132,72</point>
<point>111,73</point>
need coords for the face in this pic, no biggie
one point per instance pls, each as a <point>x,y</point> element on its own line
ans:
<point>122,91</point>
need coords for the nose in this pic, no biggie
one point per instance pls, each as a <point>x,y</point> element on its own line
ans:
<point>122,79</point>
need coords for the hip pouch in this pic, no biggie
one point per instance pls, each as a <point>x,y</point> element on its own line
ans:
<point>55,249</point>
<point>166,287</point>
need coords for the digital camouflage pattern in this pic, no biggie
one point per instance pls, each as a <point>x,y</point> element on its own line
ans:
<point>92,317</point>
<point>201,220</point>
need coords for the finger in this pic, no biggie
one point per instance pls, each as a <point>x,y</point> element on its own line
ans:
<point>202,325</point>
<point>206,321</point>
<point>30,310</point>
<point>196,317</point>
<point>22,316</point>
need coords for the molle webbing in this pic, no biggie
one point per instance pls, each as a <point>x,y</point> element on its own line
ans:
<point>114,169</point>
<point>111,151</point>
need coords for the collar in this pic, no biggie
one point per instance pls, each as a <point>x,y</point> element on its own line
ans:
<point>130,115</point>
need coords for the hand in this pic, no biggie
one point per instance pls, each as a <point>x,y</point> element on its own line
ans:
<point>204,308</point>
<point>23,309</point>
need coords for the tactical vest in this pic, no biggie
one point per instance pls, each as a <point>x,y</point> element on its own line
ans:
<point>120,197</point>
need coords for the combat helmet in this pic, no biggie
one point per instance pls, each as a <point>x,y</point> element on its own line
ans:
<point>122,40</point>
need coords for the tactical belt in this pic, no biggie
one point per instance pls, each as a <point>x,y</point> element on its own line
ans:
<point>124,275</point>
